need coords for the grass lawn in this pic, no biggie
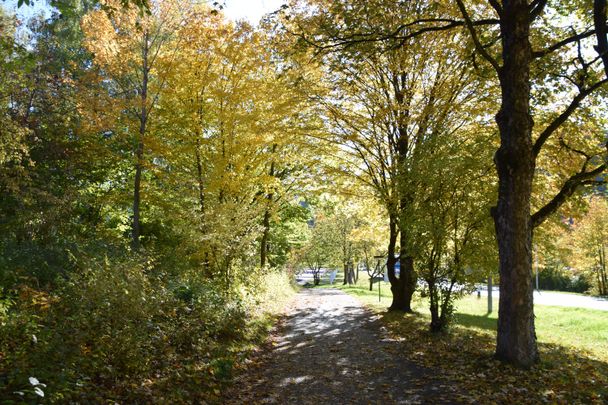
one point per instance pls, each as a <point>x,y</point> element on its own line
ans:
<point>580,328</point>
<point>573,345</point>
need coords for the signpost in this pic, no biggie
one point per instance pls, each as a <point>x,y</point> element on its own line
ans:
<point>379,275</point>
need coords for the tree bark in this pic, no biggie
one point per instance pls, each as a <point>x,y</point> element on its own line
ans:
<point>407,275</point>
<point>515,163</point>
<point>348,274</point>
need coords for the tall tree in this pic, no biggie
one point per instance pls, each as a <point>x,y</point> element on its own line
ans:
<point>385,103</point>
<point>134,51</point>
<point>518,153</point>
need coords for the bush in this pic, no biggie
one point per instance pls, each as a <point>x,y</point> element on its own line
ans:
<point>121,332</point>
<point>551,278</point>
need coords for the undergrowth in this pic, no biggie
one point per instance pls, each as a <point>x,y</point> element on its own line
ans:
<point>122,332</point>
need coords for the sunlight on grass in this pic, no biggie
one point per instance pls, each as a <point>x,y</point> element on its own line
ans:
<point>579,328</point>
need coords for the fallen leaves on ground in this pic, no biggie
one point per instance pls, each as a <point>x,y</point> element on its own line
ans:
<point>465,357</point>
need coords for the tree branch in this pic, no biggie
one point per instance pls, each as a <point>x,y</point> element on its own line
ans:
<point>496,6</point>
<point>478,45</point>
<point>562,43</point>
<point>442,24</point>
<point>536,8</point>
<point>567,190</point>
<point>560,119</point>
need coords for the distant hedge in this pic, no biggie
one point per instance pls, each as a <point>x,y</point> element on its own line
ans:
<point>558,280</point>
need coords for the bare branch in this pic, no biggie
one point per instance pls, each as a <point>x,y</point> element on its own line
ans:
<point>413,30</point>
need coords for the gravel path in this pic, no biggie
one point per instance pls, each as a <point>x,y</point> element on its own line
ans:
<point>331,350</point>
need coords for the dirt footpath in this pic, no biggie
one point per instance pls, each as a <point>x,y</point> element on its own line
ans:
<point>329,349</point>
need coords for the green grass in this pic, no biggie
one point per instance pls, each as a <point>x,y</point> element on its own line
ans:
<point>578,328</point>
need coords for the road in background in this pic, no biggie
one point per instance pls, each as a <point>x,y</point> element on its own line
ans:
<point>558,299</point>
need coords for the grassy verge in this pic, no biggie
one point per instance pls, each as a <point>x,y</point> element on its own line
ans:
<point>573,344</point>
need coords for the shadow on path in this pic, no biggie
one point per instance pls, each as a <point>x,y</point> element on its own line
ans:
<point>331,350</point>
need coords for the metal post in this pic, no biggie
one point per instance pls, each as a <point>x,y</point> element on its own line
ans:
<point>489,294</point>
<point>536,265</point>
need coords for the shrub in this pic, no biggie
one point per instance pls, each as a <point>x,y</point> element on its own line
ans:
<point>552,278</point>
<point>121,332</point>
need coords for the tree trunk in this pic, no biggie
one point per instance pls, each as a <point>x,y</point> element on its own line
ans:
<point>434,307</point>
<point>600,21</point>
<point>199,177</point>
<point>405,285</point>
<point>135,232</point>
<point>516,338</point>
<point>266,220</point>
<point>139,152</point>
<point>400,301</point>
<point>490,295</point>
<point>265,235</point>
<point>349,274</point>
<point>407,276</point>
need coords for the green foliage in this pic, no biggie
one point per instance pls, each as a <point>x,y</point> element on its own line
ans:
<point>115,330</point>
<point>230,129</point>
<point>552,277</point>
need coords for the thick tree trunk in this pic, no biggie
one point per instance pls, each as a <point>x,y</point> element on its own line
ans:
<point>391,261</point>
<point>349,274</point>
<point>402,288</point>
<point>601,30</point>
<point>516,339</point>
<point>400,301</point>
<point>407,274</point>
<point>405,285</point>
<point>434,307</point>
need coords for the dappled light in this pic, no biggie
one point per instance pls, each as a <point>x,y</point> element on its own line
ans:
<point>330,348</point>
<point>341,201</point>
